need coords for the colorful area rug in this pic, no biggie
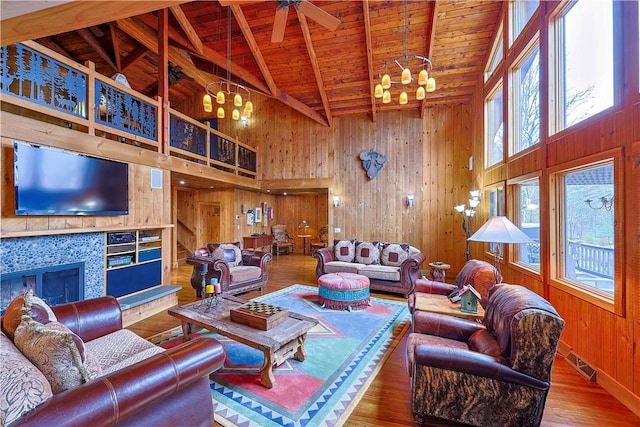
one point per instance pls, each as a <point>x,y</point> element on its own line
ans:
<point>344,351</point>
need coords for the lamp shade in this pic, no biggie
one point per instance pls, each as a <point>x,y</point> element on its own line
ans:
<point>220,98</point>
<point>386,81</point>
<point>499,229</point>
<point>220,113</point>
<point>431,84</point>
<point>403,98</point>
<point>235,114</point>
<point>249,106</point>
<point>422,77</point>
<point>206,100</point>
<point>386,97</point>
<point>378,91</point>
<point>420,93</point>
<point>237,100</point>
<point>208,108</point>
<point>406,76</point>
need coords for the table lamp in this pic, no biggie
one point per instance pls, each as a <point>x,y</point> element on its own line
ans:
<point>498,229</point>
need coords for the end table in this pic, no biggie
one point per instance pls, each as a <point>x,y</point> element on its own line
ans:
<point>438,270</point>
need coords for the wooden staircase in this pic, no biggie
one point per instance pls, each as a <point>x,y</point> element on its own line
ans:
<point>183,253</point>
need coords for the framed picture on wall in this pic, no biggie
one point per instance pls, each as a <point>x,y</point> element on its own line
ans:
<point>270,213</point>
<point>250,217</point>
<point>257,214</point>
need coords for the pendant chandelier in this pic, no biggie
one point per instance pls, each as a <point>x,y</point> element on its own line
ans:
<point>406,64</point>
<point>222,89</point>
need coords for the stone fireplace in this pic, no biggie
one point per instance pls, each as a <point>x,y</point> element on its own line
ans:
<point>57,267</point>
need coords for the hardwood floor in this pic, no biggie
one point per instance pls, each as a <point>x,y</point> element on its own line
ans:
<point>572,400</point>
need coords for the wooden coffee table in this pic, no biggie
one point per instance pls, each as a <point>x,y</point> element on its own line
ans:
<point>278,343</point>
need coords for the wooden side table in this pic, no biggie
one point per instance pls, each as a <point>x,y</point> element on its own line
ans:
<point>438,271</point>
<point>441,304</point>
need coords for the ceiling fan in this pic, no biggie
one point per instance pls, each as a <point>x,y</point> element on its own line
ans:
<point>307,8</point>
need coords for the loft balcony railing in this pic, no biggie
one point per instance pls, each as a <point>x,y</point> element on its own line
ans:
<point>69,94</point>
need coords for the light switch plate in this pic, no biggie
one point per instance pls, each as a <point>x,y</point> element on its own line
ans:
<point>337,230</point>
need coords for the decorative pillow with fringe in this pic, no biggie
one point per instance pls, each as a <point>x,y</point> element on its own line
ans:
<point>57,352</point>
<point>28,304</point>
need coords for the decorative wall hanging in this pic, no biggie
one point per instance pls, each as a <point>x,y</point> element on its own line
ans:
<point>372,162</point>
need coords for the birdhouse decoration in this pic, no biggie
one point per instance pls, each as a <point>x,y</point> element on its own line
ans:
<point>469,298</point>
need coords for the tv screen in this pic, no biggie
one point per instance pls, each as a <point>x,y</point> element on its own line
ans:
<point>50,181</point>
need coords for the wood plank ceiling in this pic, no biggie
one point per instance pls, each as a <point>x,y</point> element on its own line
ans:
<point>320,73</point>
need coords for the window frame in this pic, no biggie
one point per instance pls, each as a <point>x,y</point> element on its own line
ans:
<point>513,196</point>
<point>488,139</point>
<point>494,61</point>
<point>614,304</point>
<point>514,94</point>
<point>556,55</point>
<point>512,14</point>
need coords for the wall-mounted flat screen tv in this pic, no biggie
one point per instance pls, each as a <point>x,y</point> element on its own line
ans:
<point>49,181</point>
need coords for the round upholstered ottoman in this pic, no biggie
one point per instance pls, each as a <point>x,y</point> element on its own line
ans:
<point>343,291</point>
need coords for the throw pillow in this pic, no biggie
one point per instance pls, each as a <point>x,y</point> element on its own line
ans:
<point>59,353</point>
<point>28,304</point>
<point>345,250</point>
<point>229,252</point>
<point>368,253</point>
<point>23,385</point>
<point>394,254</point>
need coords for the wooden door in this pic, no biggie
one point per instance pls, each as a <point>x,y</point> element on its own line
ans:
<point>210,222</point>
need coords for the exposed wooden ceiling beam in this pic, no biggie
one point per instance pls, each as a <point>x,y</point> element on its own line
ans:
<point>187,28</point>
<point>314,64</point>
<point>432,39</point>
<point>276,93</point>
<point>212,56</point>
<point>137,54</point>
<point>367,35</point>
<point>48,42</point>
<point>115,42</point>
<point>74,16</point>
<point>95,44</point>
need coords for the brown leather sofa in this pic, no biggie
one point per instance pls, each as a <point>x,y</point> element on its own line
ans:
<point>480,274</point>
<point>492,374</point>
<point>390,267</point>
<point>159,390</point>
<point>237,270</point>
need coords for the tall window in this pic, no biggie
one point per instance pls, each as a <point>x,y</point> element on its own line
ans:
<point>528,220</point>
<point>525,105</point>
<point>583,60</point>
<point>496,208</point>
<point>496,55</point>
<point>494,138</point>
<point>587,208</point>
<point>520,11</point>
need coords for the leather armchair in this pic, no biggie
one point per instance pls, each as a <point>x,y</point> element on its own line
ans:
<point>480,274</point>
<point>495,373</point>
<point>237,270</point>
<point>159,390</point>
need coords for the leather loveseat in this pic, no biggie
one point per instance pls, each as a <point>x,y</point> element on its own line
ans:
<point>130,381</point>
<point>237,270</point>
<point>390,267</point>
<point>496,373</point>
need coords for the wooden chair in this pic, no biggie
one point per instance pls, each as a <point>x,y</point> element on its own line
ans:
<point>322,241</point>
<point>281,240</point>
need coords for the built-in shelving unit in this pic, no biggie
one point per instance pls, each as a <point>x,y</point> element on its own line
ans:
<point>133,260</point>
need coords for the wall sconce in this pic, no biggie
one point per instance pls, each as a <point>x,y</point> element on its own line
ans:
<point>411,200</point>
<point>336,201</point>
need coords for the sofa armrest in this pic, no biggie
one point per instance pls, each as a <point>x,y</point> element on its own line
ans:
<point>91,318</point>
<point>410,271</point>
<point>427,286</point>
<point>323,255</point>
<point>256,258</point>
<point>472,363</point>
<point>114,397</point>
<point>444,325</point>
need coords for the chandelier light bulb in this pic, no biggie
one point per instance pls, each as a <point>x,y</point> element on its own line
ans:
<point>420,93</point>
<point>406,76</point>
<point>237,100</point>
<point>220,98</point>
<point>235,115</point>
<point>431,84</point>
<point>378,91</point>
<point>423,77</point>
<point>386,97</point>
<point>403,98</point>
<point>386,81</point>
<point>220,114</point>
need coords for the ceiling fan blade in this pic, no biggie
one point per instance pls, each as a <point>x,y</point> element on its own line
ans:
<point>323,18</point>
<point>279,24</point>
